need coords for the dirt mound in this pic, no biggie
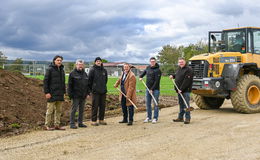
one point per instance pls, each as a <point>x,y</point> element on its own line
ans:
<point>23,104</point>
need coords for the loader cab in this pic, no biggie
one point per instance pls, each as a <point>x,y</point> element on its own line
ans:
<point>243,40</point>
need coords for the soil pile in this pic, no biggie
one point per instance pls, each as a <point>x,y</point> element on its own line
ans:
<point>23,104</point>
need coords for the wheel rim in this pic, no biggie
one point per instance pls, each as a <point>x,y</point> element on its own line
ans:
<point>253,95</point>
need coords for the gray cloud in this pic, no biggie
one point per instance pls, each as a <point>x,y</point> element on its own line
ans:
<point>127,30</point>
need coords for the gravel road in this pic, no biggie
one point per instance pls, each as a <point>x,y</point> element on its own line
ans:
<point>212,135</point>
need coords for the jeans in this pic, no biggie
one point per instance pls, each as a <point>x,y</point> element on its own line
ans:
<point>149,98</point>
<point>77,103</point>
<point>126,110</point>
<point>182,105</point>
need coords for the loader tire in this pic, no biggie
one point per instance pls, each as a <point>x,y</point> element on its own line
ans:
<point>246,98</point>
<point>208,102</point>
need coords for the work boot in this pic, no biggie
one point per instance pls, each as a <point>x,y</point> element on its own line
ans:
<point>102,122</point>
<point>123,121</point>
<point>94,123</point>
<point>187,121</point>
<point>130,123</point>
<point>73,127</point>
<point>81,125</point>
<point>178,120</point>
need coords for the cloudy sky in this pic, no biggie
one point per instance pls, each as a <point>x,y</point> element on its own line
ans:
<point>117,30</point>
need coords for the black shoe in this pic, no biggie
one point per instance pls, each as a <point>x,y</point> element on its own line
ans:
<point>82,125</point>
<point>123,121</point>
<point>130,123</point>
<point>178,120</point>
<point>73,127</point>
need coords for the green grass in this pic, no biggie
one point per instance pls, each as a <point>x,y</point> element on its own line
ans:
<point>166,86</point>
<point>41,77</point>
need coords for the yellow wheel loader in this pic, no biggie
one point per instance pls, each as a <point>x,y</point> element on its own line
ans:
<point>230,70</point>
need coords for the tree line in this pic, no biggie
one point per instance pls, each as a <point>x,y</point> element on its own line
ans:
<point>168,56</point>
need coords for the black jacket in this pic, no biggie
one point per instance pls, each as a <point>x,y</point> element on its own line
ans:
<point>78,84</point>
<point>98,79</point>
<point>54,83</point>
<point>184,78</point>
<point>153,77</point>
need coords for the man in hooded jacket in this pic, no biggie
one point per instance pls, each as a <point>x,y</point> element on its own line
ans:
<point>153,77</point>
<point>54,89</point>
<point>98,86</point>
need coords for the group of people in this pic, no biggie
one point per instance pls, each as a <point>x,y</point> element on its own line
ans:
<point>81,85</point>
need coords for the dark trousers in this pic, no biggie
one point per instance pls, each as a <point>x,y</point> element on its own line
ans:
<point>98,106</point>
<point>77,103</point>
<point>126,110</point>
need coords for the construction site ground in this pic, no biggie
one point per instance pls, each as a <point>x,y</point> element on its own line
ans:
<point>221,134</point>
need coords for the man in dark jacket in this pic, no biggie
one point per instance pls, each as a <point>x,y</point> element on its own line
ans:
<point>98,86</point>
<point>183,79</point>
<point>153,77</point>
<point>78,91</point>
<point>54,89</point>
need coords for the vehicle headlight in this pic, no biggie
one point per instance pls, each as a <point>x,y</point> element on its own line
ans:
<point>217,84</point>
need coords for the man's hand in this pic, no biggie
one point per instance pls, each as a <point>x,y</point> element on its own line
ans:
<point>179,91</point>
<point>115,86</point>
<point>48,96</point>
<point>151,91</point>
<point>140,79</point>
<point>171,77</point>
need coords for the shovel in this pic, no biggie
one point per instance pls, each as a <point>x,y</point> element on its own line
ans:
<point>127,98</point>
<point>156,103</point>
<point>188,108</point>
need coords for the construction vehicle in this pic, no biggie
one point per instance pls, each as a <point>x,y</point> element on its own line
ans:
<point>230,70</point>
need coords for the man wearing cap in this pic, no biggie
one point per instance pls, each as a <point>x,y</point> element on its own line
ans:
<point>54,89</point>
<point>78,91</point>
<point>98,86</point>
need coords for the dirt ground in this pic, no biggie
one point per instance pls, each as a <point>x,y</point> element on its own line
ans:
<point>212,135</point>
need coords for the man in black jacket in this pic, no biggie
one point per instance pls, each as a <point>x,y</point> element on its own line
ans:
<point>153,77</point>
<point>54,89</point>
<point>78,91</point>
<point>183,79</point>
<point>98,86</point>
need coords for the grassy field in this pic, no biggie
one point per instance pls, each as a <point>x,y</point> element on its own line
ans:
<point>166,86</point>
